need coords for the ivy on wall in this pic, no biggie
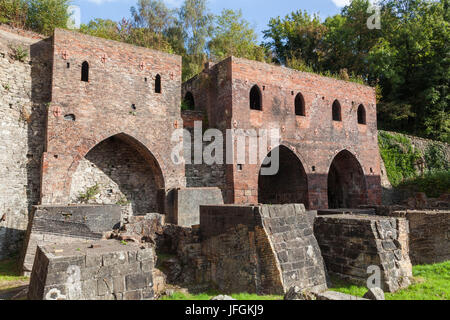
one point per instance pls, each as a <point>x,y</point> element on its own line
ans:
<point>399,157</point>
<point>402,165</point>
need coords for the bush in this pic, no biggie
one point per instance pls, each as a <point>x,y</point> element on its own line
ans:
<point>13,12</point>
<point>433,183</point>
<point>435,157</point>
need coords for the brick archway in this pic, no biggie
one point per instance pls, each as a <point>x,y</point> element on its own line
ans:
<point>289,185</point>
<point>347,186</point>
<point>119,170</point>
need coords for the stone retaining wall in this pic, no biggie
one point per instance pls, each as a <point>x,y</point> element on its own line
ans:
<point>62,224</point>
<point>260,249</point>
<point>351,244</point>
<point>107,271</point>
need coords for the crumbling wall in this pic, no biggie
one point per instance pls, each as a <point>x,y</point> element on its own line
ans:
<point>350,244</point>
<point>260,249</point>
<point>104,270</point>
<point>59,225</point>
<point>429,235</point>
<point>24,93</point>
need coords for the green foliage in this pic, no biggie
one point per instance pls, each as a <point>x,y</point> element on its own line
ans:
<point>431,282</point>
<point>123,202</point>
<point>233,36</point>
<point>13,12</point>
<point>90,194</point>
<point>435,157</point>
<point>399,157</point>
<point>19,53</point>
<point>44,16</point>
<point>433,183</point>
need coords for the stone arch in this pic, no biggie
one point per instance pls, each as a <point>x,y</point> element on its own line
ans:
<point>289,185</point>
<point>347,186</point>
<point>255,98</point>
<point>119,170</point>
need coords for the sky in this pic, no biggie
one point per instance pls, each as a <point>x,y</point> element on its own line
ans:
<point>257,12</point>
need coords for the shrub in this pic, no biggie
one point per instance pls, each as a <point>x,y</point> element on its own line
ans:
<point>435,157</point>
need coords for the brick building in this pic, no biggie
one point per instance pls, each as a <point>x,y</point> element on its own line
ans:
<point>96,118</point>
<point>329,154</point>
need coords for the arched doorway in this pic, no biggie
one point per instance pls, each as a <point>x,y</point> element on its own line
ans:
<point>289,185</point>
<point>119,170</point>
<point>346,182</point>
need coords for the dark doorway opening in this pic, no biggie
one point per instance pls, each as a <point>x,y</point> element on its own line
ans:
<point>289,185</point>
<point>346,183</point>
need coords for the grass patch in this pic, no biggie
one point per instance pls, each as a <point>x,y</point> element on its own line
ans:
<point>431,282</point>
<point>9,275</point>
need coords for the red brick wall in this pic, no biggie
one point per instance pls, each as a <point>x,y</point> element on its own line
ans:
<point>120,75</point>
<point>315,139</point>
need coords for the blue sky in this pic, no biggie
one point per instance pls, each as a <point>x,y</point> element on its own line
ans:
<point>257,12</point>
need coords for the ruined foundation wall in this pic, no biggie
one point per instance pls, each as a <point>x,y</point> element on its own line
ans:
<point>429,235</point>
<point>351,244</point>
<point>24,94</point>
<point>264,249</point>
<point>107,271</point>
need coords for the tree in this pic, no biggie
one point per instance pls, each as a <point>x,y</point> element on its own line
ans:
<point>44,16</point>
<point>233,36</point>
<point>411,60</point>
<point>107,29</point>
<point>297,37</point>
<point>197,23</point>
<point>13,12</point>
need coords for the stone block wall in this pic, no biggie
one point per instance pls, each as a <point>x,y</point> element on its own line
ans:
<point>24,96</point>
<point>103,270</point>
<point>65,225</point>
<point>260,249</point>
<point>351,244</point>
<point>187,202</point>
<point>429,235</point>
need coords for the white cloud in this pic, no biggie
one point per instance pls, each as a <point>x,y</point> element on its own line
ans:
<point>341,3</point>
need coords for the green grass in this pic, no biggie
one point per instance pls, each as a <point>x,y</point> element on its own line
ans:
<point>210,295</point>
<point>431,282</point>
<point>433,184</point>
<point>9,275</point>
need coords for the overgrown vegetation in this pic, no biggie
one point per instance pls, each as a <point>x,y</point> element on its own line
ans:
<point>19,53</point>
<point>90,194</point>
<point>433,184</point>
<point>41,16</point>
<point>399,157</point>
<point>402,162</point>
<point>431,282</point>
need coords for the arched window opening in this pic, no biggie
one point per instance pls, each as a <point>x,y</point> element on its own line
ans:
<point>158,84</point>
<point>361,114</point>
<point>337,116</point>
<point>85,71</point>
<point>300,105</point>
<point>188,102</point>
<point>255,98</point>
